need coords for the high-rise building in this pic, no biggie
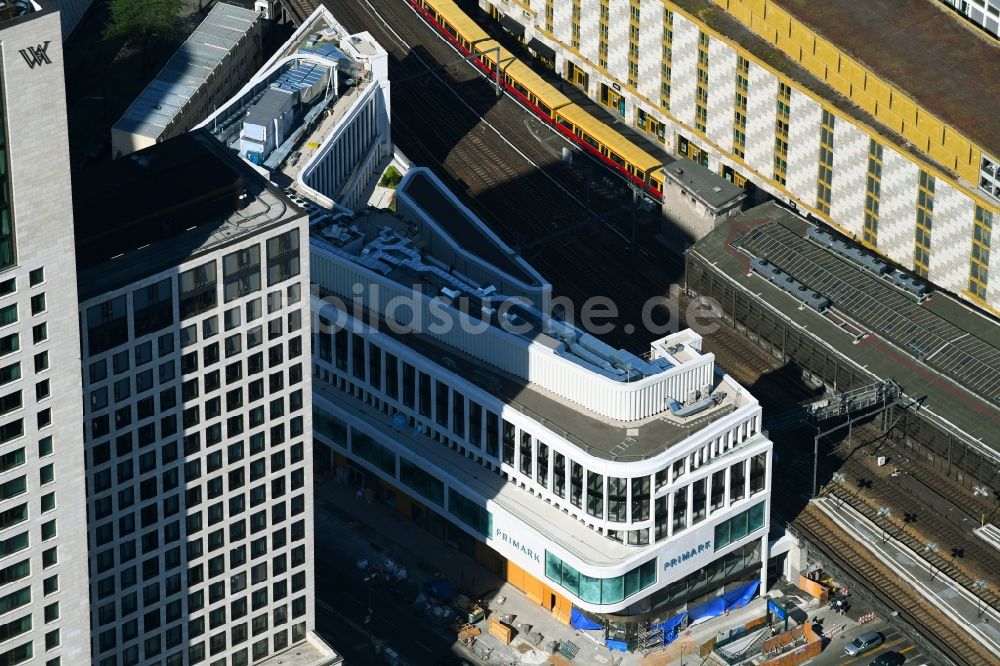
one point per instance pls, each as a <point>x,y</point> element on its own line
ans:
<point>621,486</point>
<point>44,611</point>
<point>193,277</point>
<point>827,106</point>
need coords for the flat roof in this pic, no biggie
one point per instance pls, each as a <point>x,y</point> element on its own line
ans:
<point>166,204</point>
<point>922,48</point>
<point>311,652</point>
<point>704,183</point>
<point>880,356</point>
<point>268,107</point>
<point>457,223</point>
<point>727,25</point>
<point>187,70</point>
<point>593,434</point>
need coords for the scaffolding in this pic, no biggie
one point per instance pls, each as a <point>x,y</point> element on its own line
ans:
<point>650,639</point>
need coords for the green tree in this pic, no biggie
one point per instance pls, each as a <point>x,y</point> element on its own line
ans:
<point>142,23</point>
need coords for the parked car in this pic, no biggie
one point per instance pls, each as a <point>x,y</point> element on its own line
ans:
<point>863,643</point>
<point>888,659</point>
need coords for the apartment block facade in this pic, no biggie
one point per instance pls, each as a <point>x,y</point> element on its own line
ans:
<point>195,338</point>
<point>888,145</point>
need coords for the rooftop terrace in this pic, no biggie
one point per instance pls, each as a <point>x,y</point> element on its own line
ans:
<point>324,68</point>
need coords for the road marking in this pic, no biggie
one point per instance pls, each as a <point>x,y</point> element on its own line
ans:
<point>907,649</point>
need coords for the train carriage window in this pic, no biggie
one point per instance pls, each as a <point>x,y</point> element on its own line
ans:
<point>640,174</point>
<point>588,139</point>
<point>451,31</point>
<point>656,184</point>
<point>544,109</point>
<point>616,159</point>
<point>565,123</point>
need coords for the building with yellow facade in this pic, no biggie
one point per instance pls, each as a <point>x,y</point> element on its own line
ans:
<point>881,120</point>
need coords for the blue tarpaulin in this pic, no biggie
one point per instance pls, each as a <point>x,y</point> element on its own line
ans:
<point>616,646</point>
<point>578,620</point>
<point>731,600</point>
<point>670,627</point>
<point>440,588</point>
<point>711,608</point>
<point>739,597</point>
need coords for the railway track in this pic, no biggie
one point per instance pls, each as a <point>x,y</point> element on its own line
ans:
<point>299,9</point>
<point>845,553</point>
<point>504,187</point>
<point>979,561</point>
<point>501,184</point>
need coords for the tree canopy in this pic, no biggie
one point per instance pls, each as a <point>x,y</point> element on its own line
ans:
<point>142,21</point>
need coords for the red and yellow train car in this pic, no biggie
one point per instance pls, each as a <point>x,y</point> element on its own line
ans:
<point>541,97</point>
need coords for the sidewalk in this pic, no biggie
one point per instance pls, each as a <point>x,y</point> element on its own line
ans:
<point>381,533</point>
<point>958,603</point>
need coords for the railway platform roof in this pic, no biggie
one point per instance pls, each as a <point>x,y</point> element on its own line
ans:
<point>924,374</point>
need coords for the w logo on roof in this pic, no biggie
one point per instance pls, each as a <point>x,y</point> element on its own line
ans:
<point>36,55</point>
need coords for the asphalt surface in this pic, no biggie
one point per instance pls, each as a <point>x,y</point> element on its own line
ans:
<point>833,654</point>
<point>343,599</point>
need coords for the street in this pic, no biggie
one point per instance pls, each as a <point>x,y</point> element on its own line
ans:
<point>343,597</point>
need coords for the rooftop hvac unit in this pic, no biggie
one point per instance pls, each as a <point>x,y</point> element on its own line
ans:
<point>882,461</point>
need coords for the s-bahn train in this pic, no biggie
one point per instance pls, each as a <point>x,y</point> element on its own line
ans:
<point>542,97</point>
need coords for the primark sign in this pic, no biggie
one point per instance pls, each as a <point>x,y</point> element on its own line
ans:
<point>688,554</point>
<point>500,535</point>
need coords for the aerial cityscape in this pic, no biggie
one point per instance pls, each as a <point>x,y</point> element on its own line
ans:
<point>472,332</point>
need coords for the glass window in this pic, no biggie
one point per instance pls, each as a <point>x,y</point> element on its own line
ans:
<point>718,490</point>
<point>737,481</point>
<point>595,494</point>
<point>8,314</point>
<point>640,498</point>
<point>617,499</point>
<point>758,472</point>
<point>680,509</point>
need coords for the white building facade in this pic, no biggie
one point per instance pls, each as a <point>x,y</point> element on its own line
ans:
<point>340,141</point>
<point>44,611</point>
<point>625,487</point>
